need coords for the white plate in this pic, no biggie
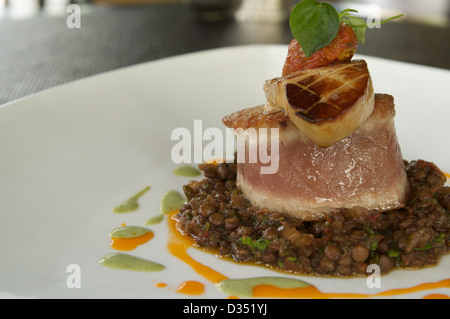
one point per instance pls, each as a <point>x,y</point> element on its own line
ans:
<point>69,154</point>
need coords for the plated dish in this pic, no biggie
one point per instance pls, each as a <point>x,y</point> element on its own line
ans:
<point>74,152</point>
<point>338,198</point>
<point>318,184</point>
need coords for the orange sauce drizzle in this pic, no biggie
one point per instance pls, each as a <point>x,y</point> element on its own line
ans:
<point>191,287</point>
<point>178,245</point>
<point>126,244</point>
<point>436,296</point>
<point>215,161</point>
<point>160,285</point>
<point>268,291</point>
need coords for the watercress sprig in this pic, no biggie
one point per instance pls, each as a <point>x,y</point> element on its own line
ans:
<point>358,24</point>
<point>314,25</point>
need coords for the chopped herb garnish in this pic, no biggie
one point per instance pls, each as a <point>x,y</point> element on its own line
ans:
<point>440,239</point>
<point>372,233</point>
<point>426,247</point>
<point>373,245</point>
<point>260,244</point>
<point>392,253</point>
<point>314,25</point>
<point>247,241</point>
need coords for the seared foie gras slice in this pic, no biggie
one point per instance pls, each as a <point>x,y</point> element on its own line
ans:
<point>327,103</point>
<point>365,169</point>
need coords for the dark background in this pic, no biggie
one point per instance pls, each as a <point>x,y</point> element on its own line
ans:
<point>39,51</point>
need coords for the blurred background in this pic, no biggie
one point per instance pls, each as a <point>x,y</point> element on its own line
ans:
<point>436,12</point>
<point>41,49</point>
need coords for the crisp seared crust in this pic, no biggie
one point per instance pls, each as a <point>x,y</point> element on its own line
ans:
<point>257,117</point>
<point>385,105</point>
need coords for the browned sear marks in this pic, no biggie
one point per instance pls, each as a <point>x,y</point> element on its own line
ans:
<point>325,95</point>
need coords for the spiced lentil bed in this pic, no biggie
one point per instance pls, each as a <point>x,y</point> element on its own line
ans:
<point>220,218</point>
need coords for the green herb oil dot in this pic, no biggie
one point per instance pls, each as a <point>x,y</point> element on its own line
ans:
<point>187,171</point>
<point>129,262</point>
<point>172,200</point>
<point>131,204</point>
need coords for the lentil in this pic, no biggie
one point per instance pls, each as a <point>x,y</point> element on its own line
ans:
<point>219,217</point>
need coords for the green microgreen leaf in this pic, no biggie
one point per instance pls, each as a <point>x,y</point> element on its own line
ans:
<point>371,25</point>
<point>314,25</point>
<point>346,12</point>
<point>358,25</point>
